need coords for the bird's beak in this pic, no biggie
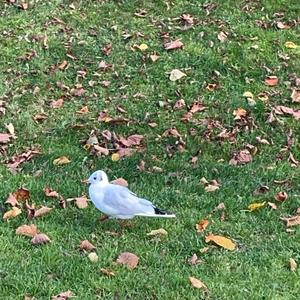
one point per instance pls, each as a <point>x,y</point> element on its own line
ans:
<point>85,181</point>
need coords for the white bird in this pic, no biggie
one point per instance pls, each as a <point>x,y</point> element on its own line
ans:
<point>118,202</point>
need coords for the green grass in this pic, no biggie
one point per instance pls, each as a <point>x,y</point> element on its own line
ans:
<point>259,268</point>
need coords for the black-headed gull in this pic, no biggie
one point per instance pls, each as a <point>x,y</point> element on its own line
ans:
<point>118,202</point>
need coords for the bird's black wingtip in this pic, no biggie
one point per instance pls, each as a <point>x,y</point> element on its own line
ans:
<point>161,212</point>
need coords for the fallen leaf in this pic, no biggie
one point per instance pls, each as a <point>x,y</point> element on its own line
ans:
<point>188,19</point>
<point>179,104</point>
<point>290,45</point>
<point>281,196</point>
<point>27,230</point>
<point>156,232</point>
<point>93,257</point>
<point>239,113</point>
<point>272,205</point>
<point>42,211</point>
<point>40,117</point>
<point>142,47</point>
<point>271,80</point>
<point>154,57</point>
<point>248,95</point>
<point>107,272</point>
<point>23,5</point>
<point>15,211</point>
<point>100,150</point>
<point>173,45</point>
<point>4,138</point>
<point>128,259</point>
<point>50,193</point>
<point>87,245</point>
<point>281,25</point>
<point>201,225</point>
<point>197,107</point>
<point>120,181</point>
<point>22,194</point>
<point>221,241</point>
<point>196,283</point>
<point>194,260</point>
<point>176,75</point>
<point>295,96</point>
<point>84,110</point>
<point>63,160</point>
<point>40,238</point>
<point>241,157</point>
<point>57,104</point>
<point>115,157</point>
<point>222,36</point>
<point>12,200</point>
<point>220,206</point>
<point>293,265</point>
<point>256,205</point>
<point>63,296</point>
<point>211,188</point>
<point>292,221</point>
<point>63,65</point>
<point>81,202</point>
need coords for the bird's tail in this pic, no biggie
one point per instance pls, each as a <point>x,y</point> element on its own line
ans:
<point>158,213</point>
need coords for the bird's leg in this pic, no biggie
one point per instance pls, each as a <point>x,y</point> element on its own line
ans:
<point>103,218</point>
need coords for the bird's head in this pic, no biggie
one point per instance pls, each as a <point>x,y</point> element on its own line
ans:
<point>98,177</point>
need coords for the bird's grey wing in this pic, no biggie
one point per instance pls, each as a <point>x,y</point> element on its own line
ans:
<point>124,202</point>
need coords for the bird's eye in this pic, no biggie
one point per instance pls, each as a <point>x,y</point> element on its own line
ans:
<point>95,178</point>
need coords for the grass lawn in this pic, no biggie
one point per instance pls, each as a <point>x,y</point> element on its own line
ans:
<point>230,47</point>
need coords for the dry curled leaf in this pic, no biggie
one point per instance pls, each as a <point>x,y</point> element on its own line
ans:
<point>93,257</point>
<point>128,259</point>
<point>281,196</point>
<point>156,232</point>
<point>271,80</point>
<point>42,211</point>
<point>49,192</point>
<point>40,238</point>
<point>57,103</point>
<point>173,45</point>
<point>107,272</point>
<point>221,241</point>
<point>63,160</point>
<point>87,245</point>
<point>120,181</point>
<point>12,200</point>
<point>292,221</point>
<point>84,110</point>
<point>201,225</point>
<point>241,157</point>
<point>196,283</point>
<point>27,230</point>
<point>22,194</point>
<point>194,260</point>
<point>295,96</point>
<point>63,296</point>
<point>4,138</point>
<point>14,212</point>
<point>211,188</point>
<point>272,205</point>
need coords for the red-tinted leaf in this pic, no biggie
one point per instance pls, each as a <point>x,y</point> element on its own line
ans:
<point>173,45</point>
<point>128,259</point>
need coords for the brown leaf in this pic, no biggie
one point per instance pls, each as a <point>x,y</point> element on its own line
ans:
<point>194,260</point>
<point>62,65</point>
<point>261,190</point>
<point>57,104</point>
<point>40,238</point>
<point>293,265</point>
<point>84,110</point>
<point>173,45</point>
<point>107,272</point>
<point>197,107</point>
<point>87,245</point>
<point>221,241</point>
<point>100,150</point>
<point>128,259</point>
<point>63,160</point>
<point>171,132</point>
<point>22,194</point>
<point>42,211</point>
<point>63,296</point>
<point>188,19</point>
<point>107,49</point>
<point>222,36</point>
<point>239,113</point>
<point>292,221</point>
<point>179,104</point>
<point>196,283</point>
<point>40,117</point>
<point>281,196</point>
<point>81,202</point>
<point>271,80</point>
<point>23,5</point>
<point>12,200</point>
<point>27,230</point>
<point>201,225</point>
<point>241,157</point>
<point>49,192</point>
<point>14,212</point>
<point>120,181</point>
<point>4,138</point>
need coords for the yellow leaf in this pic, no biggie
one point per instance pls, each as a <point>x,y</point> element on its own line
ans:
<point>293,265</point>
<point>115,157</point>
<point>221,241</point>
<point>15,211</point>
<point>256,205</point>
<point>143,47</point>
<point>93,257</point>
<point>248,95</point>
<point>291,45</point>
<point>63,160</point>
<point>159,231</point>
